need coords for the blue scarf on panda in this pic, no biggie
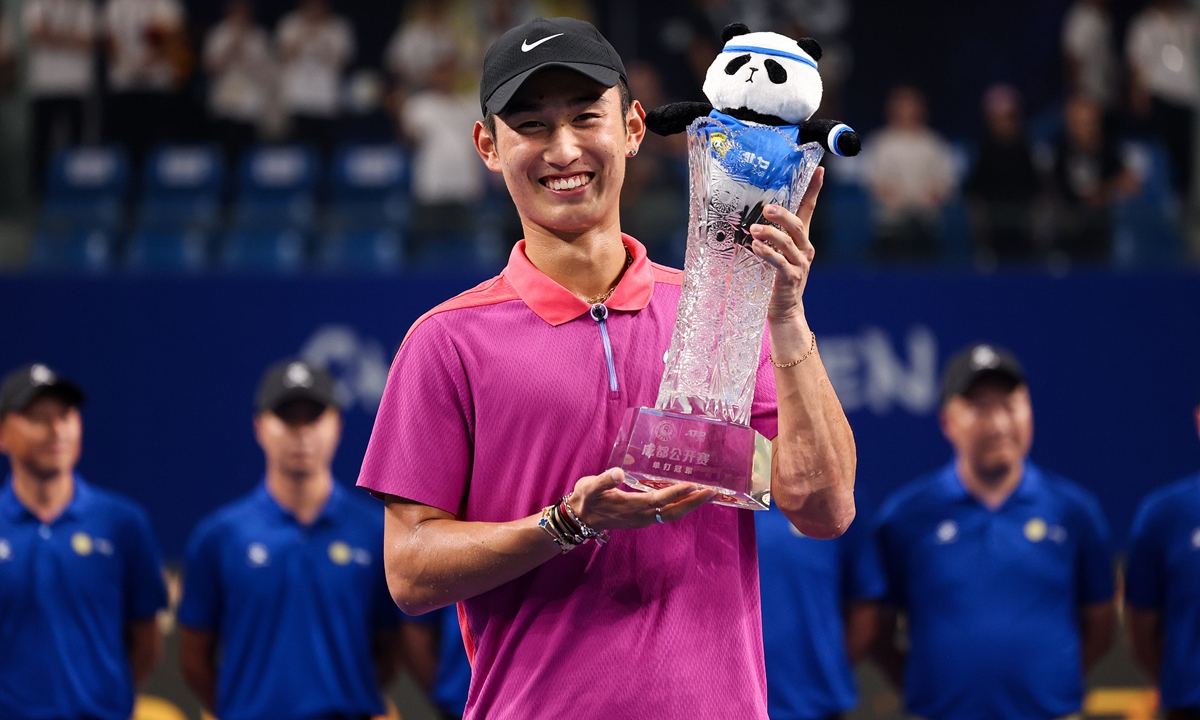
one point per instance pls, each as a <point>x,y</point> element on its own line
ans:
<point>758,155</point>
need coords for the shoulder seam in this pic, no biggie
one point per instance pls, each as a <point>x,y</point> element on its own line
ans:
<point>485,293</point>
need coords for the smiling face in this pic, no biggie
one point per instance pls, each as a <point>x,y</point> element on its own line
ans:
<point>990,427</point>
<point>561,145</point>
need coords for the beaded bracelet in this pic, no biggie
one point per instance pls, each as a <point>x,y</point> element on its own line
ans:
<point>547,524</point>
<point>588,533</point>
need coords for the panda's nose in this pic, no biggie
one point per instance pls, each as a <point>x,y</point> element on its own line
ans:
<point>752,71</point>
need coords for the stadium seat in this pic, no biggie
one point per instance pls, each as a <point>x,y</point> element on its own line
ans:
<point>180,209</point>
<point>83,210</point>
<point>273,216</point>
<point>368,212</point>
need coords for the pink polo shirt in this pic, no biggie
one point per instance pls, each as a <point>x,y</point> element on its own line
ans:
<point>498,401</point>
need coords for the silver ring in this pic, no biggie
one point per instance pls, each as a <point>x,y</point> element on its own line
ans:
<point>658,515</point>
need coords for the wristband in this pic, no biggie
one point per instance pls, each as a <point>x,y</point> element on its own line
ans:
<point>588,533</point>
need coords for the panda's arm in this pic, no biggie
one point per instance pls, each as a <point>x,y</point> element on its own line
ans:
<point>675,118</point>
<point>834,136</point>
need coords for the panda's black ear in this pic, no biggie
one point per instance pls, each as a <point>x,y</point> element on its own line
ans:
<point>811,47</point>
<point>732,30</point>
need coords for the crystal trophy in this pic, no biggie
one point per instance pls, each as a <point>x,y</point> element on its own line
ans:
<point>699,428</point>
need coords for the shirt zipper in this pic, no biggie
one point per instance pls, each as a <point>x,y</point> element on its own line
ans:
<point>599,313</point>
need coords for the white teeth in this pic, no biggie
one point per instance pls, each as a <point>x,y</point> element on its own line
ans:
<point>569,183</point>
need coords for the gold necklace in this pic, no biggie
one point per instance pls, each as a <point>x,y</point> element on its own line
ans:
<point>612,288</point>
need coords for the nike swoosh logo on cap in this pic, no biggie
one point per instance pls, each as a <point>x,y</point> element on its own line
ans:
<point>526,46</point>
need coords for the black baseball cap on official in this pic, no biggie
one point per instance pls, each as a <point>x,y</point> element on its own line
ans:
<point>976,362</point>
<point>545,43</point>
<point>292,380</point>
<point>26,384</point>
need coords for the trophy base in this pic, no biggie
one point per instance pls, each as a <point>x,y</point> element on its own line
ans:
<point>657,449</point>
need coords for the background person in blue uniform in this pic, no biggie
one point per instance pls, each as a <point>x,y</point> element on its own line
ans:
<point>80,574</point>
<point>819,613</point>
<point>1003,571</point>
<point>1162,592</point>
<point>285,612</point>
<point>437,659</point>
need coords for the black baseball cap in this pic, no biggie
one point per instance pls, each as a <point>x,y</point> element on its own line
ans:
<point>295,379</point>
<point>972,364</point>
<point>26,384</point>
<point>545,43</point>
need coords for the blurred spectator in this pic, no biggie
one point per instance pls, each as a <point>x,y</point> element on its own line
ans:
<point>1088,177</point>
<point>820,608</point>
<point>1003,571</point>
<point>910,175</point>
<point>285,610</point>
<point>420,45</point>
<point>240,66</point>
<point>1161,46</point>
<point>447,172</point>
<point>1087,44</point>
<point>1162,592</point>
<point>437,659</point>
<point>147,60</point>
<point>80,573</point>
<point>1004,183</point>
<point>8,56</point>
<point>60,35</point>
<point>654,197</point>
<point>315,46</point>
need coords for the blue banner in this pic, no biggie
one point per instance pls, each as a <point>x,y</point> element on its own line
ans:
<point>170,366</point>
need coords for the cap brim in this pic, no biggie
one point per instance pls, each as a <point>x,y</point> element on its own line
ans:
<point>298,393</point>
<point>64,390</point>
<point>979,376</point>
<point>500,98</point>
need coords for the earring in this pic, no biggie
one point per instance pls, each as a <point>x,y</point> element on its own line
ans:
<point>633,152</point>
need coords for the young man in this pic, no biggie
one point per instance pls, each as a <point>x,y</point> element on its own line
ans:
<point>1003,570</point>
<point>508,398</point>
<point>80,574</point>
<point>1162,592</point>
<point>288,581</point>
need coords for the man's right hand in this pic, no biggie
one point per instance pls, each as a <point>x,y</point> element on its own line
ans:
<point>600,503</point>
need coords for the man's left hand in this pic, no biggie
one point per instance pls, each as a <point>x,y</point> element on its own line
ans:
<point>789,251</point>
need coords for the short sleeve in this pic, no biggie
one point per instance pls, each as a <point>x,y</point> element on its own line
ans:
<point>1145,579</point>
<point>862,574</point>
<point>145,590</point>
<point>1095,562</point>
<point>200,608</point>
<point>764,409</point>
<point>421,445</point>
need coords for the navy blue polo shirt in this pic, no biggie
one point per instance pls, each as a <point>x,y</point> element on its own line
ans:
<point>295,607</point>
<point>68,592</point>
<point>1164,575</point>
<point>453,679</point>
<point>805,586</point>
<point>992,597</point>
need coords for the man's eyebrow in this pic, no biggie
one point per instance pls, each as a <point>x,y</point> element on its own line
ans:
<point>587,99</point>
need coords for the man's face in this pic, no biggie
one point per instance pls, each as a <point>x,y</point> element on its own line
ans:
<point>990,427</point>
<point>299,437</point>
<point>45,438</point>
<point>561,146</point>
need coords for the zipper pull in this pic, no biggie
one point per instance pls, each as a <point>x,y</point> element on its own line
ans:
<point>599,313</point>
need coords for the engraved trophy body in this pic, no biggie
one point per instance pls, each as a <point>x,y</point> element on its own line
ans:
<point>699,428</point>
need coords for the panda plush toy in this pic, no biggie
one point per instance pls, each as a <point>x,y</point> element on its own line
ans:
<point>764,78</point>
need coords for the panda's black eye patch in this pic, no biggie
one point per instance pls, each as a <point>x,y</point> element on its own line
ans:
<point>736,64</point>
<point>776,72</point>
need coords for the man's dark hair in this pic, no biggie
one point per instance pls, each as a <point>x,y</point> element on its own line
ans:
<point>489,119</point>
